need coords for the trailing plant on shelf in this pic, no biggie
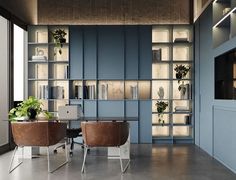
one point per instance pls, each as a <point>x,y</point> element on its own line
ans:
<point>28,108</point>
<point>161,107</point>
<point>181,72</point>
<point>59,38</point>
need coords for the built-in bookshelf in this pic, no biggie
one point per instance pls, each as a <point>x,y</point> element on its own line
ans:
<point>224,18</point>
<point>172,47</point>
<point>127,82</point>
<point>48,70</point>
<point>110,89</point>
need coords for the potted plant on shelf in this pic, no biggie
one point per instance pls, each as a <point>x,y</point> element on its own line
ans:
<point>59,38</point>
<point>28,109</point>
<point>161,107</point>
<point>181,72</point>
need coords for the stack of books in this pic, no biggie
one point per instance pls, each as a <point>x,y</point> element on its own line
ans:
<point>42,92</point>
<point>182,109</point>
<point>181,40</point>
<point>89,92</point>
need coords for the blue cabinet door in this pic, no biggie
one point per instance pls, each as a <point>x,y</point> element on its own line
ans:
<point>132,111</point>
<point>110,52</point>
<point>90,108</point>
<point>145,52</point>
<point>110,108</point>
<point>131,52</point>
<point>145,121</point>
<point>90,52</point>
<point>76,52</point>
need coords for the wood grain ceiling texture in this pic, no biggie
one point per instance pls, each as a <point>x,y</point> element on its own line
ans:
<point>86,12</point>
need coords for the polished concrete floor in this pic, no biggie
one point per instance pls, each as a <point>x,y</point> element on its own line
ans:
<point>159,162</point>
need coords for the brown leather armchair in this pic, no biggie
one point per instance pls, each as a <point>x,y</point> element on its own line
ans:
<point>105,134</point>
<point>40,134</point>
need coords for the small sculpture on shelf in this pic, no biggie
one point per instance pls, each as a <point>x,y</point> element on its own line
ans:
<point>59,38</point>
<point>161,92</point>
<point>161,107</point>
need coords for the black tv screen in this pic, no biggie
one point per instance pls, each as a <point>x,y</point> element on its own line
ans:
<point>225,75</point>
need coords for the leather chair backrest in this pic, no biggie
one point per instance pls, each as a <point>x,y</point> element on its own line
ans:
<point>38,133</point>
<point>105,134</point>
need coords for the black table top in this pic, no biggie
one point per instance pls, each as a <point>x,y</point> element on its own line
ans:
<point>85,119</point>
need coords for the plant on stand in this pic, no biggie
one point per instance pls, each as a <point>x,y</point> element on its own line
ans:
<point>161,107</point>
<point>181,72</point>
<point>59,38</point>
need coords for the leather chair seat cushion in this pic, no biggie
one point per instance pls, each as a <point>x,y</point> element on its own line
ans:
<point>104,134</point>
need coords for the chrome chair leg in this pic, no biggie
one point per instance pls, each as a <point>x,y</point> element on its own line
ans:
<point>123,169</point>
<point>12,159</point>
<point>85,155</point>
<point>65,162</point>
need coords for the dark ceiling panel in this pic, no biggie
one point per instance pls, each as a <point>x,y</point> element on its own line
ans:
<point>26,10</point>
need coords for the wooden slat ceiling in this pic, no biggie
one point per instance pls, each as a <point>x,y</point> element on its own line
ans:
<point>86,12</point>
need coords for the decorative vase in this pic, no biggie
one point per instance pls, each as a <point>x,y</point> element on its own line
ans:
<point>32,113</point>
<point>62,40</point>
<point>178,76</point>
<point>161,92</point>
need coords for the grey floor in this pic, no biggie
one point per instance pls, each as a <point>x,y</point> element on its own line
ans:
<point>159,162</point>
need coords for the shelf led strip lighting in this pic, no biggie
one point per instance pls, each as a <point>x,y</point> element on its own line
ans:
<point>224,17</point>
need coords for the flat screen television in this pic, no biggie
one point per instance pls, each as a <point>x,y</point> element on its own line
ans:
<point>225,75</point>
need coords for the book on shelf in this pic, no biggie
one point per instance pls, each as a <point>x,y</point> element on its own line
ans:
<point>39,58</point>
<point>78,92</point>
<point>134,92</point>
<point>181,40</point>
<point>42,92</point>
<point>89,92</point>
<point>66,71</point>
<point>156,55</point>
<point>187,119</point>
<point>57,92</point>
<point>182,109</point>
<point>85,92</point>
